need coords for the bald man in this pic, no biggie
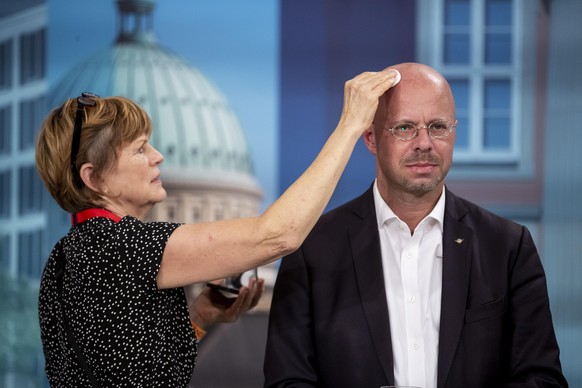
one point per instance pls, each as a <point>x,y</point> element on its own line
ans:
<point>409,284</point>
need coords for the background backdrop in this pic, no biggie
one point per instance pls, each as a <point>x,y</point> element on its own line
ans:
<point>515,69</point>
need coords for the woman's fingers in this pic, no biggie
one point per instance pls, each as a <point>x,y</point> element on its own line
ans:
<point>248,298</point>
<point>361,96</point>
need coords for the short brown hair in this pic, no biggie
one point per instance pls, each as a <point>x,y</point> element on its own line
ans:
<point>107,126</point>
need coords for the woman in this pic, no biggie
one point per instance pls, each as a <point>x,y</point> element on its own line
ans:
<point>112,308</point>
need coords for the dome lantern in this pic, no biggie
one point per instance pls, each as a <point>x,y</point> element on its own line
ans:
<point>135,21</point>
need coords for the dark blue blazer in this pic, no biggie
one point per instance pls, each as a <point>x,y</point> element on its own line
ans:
<point>329,323</point>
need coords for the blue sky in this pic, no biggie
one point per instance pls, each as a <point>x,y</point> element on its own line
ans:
<point>233,42</point>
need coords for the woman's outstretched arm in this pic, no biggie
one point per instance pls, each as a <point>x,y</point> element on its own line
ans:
<point>201,252</point>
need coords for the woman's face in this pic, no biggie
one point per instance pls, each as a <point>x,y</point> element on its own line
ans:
<point>133,186</point>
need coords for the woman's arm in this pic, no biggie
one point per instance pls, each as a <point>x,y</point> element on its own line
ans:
<point>200,252</point>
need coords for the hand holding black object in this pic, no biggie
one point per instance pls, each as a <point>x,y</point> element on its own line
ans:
<point>211,306</point>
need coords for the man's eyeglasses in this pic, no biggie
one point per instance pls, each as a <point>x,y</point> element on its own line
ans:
<point>437,129</point>
<point>86,99</point>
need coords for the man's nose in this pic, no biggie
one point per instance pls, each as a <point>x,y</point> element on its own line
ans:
<point>422,139</point>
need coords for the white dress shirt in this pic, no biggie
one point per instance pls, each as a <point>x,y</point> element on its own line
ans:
<point>412,266</point>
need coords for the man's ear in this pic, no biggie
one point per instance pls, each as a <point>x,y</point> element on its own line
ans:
<point>86,173</point>
<point>369,137</point>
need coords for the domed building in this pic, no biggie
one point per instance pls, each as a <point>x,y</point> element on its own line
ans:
<point>207,170</point>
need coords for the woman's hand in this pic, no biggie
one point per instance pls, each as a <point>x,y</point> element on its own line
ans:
<point>361,96</point>
<point>210,306</point>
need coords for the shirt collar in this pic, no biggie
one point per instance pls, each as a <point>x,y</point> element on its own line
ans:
<point>384,213</point>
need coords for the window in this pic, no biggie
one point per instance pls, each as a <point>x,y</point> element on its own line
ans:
<point>5,197</point>
<point>31,191</point>
<point>32,56</point>
<point>196,214</point>
<point>476,57</point>
<point>5,252</point>
<point>6,64</point>
<point>171,213</point>
<point>218,213</point>
<point>30,258</point>
<point>31,115</point>
<point>478,46</point>
<point>5,129</point>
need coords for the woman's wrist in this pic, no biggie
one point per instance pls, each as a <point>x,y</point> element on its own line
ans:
<point>197,320</point>
<point>349,129</point>
<point>200,332</point>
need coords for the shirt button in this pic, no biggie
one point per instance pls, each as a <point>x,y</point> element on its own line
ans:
<point>412,299</point>
<point>414,346</point>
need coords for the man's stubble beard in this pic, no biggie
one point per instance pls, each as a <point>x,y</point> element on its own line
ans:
<point>423,186</point>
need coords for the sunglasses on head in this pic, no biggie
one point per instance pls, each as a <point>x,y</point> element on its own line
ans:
<point>85,99</point>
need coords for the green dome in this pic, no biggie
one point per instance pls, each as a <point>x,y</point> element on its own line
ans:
<point>194,126</point>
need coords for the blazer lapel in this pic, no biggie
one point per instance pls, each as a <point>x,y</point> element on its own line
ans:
<point>365,243</point>
<point>457,245</point>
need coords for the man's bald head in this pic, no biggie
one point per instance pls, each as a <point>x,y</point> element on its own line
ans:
<point>414,77</point>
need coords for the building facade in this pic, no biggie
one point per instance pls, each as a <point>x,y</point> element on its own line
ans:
<point>23,199</point>
<point>23,90</point>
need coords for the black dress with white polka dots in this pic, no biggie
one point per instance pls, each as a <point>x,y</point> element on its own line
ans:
<point>130,333</point>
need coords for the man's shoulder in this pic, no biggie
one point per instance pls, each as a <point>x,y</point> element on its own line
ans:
<point>336,223</point>
<point>478,216</point>
<point>359,206</point>
<point>333,227</point>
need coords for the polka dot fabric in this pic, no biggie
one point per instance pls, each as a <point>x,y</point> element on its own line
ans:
<point>131,333</point>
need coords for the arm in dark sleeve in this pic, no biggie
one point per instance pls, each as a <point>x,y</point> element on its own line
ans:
<point>290,354</point>
<point>534,359</point>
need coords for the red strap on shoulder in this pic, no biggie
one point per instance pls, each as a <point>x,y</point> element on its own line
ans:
<point>84,215</point>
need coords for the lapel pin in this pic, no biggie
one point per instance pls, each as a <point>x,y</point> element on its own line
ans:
<point>459,240</point>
